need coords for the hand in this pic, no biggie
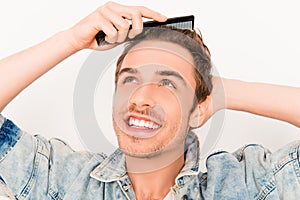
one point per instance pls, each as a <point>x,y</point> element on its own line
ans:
<point>111,18</point>
<point>215,101</point>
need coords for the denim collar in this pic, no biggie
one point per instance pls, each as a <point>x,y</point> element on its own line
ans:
<point>113,168</point>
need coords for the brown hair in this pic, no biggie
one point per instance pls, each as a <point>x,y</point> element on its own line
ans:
<point>189,39</point>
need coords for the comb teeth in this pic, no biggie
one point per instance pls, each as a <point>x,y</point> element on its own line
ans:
<point>185,22</point>
<point>181,25</point>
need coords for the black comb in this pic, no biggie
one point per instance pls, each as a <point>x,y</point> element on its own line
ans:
<point>185,22</point>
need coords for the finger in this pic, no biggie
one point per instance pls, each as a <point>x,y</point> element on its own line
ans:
<point>122,36</point>
<point>151,14</point>
<point>103,47</point>
<point>120,24</point>
<point>110,31</point>
<point>137,26</point>
<point>117,20</point>
<point>122,28</point>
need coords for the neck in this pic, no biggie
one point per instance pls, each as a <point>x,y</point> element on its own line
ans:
<point>152,178</point>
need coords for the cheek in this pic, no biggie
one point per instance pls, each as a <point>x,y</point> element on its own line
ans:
<point>172,108</point>
<point>170,103</point>
<point>121,97</point>
<point>179,108</point>
<point>175,104</point>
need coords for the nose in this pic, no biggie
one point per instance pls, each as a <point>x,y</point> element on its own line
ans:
<point>143,97</point>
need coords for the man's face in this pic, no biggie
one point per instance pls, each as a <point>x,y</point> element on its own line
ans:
<point>153,98</point>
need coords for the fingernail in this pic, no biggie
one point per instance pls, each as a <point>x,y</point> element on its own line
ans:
<point>132,33</point>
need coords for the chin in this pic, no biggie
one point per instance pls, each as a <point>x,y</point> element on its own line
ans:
<point>138,147</point>
<point>146,155</point>
<point>148,147</point>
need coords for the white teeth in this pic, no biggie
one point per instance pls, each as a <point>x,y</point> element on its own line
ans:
<point>130,121</point>
<point>155,126</point>
<point>142,123</point>
<point>151,125</point>
<point>136,122</point>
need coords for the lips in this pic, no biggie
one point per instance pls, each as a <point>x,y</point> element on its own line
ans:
<point>141,126</point>
<point>139,122</point>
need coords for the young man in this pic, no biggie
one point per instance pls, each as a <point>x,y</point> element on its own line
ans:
<point>163,91</point>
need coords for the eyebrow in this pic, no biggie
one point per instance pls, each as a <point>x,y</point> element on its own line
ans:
<point>171,73</point>
<point>128,70</point>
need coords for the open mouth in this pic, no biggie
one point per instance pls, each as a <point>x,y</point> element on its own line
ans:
<point>143,127</point>
<point>142,123</point>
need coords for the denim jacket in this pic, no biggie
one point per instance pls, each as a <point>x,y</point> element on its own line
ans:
<point>32,167</point>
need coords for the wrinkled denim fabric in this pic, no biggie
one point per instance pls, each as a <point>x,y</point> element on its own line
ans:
<point>32,167</point>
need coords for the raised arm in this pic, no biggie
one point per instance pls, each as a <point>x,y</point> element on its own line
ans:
<point>274,101</point>
<point>268,100</point>
<point>21,69</point>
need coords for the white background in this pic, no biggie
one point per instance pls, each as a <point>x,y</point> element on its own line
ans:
<point>249,40</point>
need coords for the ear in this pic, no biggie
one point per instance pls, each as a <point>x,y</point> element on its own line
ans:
<point>199,115</point>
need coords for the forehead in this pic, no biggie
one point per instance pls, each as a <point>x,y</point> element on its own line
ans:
<point>160,53</point>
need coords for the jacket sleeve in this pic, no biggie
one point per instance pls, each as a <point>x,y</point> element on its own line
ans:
<point>9,136</point>
<point>24,162</point>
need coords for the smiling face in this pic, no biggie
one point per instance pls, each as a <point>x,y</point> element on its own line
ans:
<point>154,98</point>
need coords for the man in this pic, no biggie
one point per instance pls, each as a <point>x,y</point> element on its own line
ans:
<point>163,91</point>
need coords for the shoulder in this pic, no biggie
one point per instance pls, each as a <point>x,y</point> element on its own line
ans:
<point>42,163</point>
<point>14,139</point>
<point>256,153</point>
<point>256,170</point>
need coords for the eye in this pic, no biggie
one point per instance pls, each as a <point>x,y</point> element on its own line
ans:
<point>129,79</point>
<point>167,83</point>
